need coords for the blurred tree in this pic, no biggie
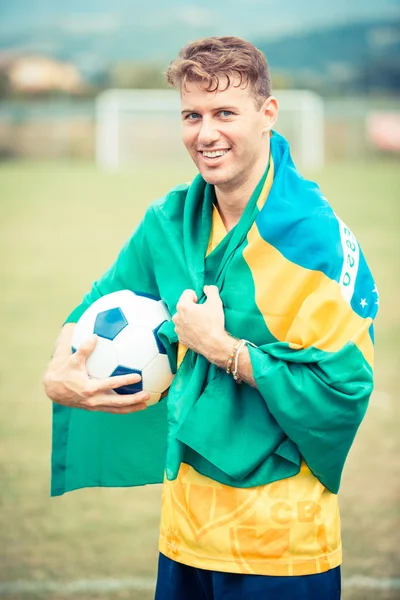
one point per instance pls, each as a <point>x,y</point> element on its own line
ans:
<point>137,76</point>
<point>281,81</point>
<point>4,84</point>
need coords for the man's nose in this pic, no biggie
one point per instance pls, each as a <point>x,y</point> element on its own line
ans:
<point>208,132</point>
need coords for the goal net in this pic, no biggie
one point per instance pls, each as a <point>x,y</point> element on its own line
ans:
<point>141,126</point>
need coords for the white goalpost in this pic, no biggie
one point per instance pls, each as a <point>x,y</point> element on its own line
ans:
<point>136,126</point>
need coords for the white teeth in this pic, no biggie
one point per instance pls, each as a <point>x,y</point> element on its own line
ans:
<point>215,153</point>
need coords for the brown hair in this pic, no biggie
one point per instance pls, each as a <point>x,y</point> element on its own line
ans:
<point>209,59</point>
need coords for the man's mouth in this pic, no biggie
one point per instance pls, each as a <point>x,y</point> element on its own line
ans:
<point>213,154</point>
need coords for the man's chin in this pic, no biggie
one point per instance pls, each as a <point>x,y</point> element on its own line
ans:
<point>213,180</point>
<point>213,176</point>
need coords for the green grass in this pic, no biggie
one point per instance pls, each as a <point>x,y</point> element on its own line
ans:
<point>61,226</point>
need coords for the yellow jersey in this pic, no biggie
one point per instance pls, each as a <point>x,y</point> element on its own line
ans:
<point>289,527</point>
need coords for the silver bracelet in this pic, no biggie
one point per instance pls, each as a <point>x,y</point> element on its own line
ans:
<point>235,374</point>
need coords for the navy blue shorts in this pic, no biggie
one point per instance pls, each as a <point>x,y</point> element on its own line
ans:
<point>176,581</point>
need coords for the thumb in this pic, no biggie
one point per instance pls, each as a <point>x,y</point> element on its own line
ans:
<point>212,293</point>
<point>188,297</point>
<point>85,349</point>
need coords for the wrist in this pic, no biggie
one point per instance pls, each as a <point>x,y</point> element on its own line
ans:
<point>219,348</point>
<point>50,384</point>
<point>58,360</point>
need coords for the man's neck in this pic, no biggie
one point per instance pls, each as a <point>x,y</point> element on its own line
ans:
<point>232,202</point>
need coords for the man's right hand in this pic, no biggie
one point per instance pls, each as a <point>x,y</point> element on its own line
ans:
<point>66,381</point>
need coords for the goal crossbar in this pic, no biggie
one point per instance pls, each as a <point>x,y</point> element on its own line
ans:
<point>301,119</point>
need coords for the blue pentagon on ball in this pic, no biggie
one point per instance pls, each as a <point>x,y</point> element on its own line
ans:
<point>109,323</point>
<point>133,387</point>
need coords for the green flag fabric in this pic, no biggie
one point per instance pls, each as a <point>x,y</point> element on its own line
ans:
<point>293,281</point>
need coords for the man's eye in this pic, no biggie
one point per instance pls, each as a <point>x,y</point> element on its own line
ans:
<point>226,113</point>
<point>192,116</point>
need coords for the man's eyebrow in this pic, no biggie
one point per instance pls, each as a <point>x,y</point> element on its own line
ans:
<point>217,109</point>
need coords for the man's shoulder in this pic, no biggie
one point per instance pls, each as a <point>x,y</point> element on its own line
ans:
<point>302,225</point>
<point>173,199</point>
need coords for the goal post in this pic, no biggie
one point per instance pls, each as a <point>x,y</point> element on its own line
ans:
<point>136,126</point>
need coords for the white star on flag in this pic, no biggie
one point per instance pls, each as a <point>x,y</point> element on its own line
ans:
<point>364,302</point>
<point>375,290</point>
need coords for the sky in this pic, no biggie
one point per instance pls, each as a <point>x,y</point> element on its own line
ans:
<point>239,17</point>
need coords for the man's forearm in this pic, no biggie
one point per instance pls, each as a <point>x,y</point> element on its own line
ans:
<point>220,352</point>
<point>62,352</point>
<point>62,348</point>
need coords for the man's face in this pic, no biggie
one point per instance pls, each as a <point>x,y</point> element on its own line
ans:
<point>225,133</point>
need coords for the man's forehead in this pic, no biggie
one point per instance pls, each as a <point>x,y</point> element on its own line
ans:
<point>197,91</point>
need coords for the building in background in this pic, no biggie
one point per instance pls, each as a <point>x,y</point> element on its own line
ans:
<point>38,74</point>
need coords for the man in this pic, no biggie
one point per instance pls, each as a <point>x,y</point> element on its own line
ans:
<point>273,307</point>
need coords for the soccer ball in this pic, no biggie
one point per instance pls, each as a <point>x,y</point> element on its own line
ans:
<point>127,326</point>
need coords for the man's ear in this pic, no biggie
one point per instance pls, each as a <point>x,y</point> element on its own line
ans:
<point>270,113</point>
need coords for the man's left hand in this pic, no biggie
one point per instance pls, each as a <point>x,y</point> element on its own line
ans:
<point>200,326</point>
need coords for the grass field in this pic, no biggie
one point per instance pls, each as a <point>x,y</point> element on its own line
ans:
<point>61,226</point>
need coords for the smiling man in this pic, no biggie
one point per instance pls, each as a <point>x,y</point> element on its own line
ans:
<point>273,308</point>
<point>226,132</point>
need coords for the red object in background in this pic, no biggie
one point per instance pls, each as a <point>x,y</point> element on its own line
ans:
<point>384,130</point>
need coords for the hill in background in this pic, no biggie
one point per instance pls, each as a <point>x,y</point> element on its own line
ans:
<point>356,57</point>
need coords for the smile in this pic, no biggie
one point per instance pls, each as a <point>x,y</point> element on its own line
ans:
<point>214,153</point>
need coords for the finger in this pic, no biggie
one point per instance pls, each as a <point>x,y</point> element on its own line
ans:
<point>85,349</point>
<point>212,293</point>
<point>124,410</point>
<point>187,298</point>
<point>110,383</point>
<point>115,400</point>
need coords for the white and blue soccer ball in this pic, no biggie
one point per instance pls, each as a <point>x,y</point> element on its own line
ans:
<point>127,326</point>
